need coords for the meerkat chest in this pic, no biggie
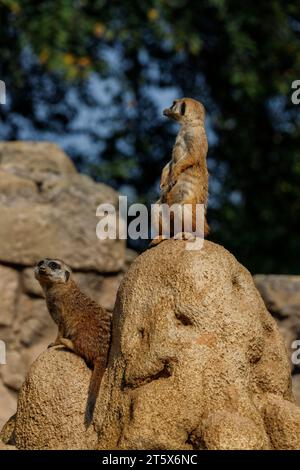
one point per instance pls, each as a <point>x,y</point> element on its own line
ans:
<point>180,148</point>
<point>183,144</point>
<point>55,308</point>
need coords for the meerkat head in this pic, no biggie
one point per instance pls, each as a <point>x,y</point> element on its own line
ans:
<point>52,271</point>
<point>186,111</point>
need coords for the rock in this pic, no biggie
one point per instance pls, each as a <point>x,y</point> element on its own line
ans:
<point>51,404</point>
<point>58,218</point>
<point>9,283</point>
<point>34,160</point>
<point>196,358</point>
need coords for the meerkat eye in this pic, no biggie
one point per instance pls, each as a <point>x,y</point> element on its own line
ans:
<point>40,263</point>
<point>182,109</point>
<point>67,275</point>
<point>54,265</point>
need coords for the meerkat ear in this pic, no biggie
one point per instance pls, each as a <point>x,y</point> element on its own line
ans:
<point>67,275</point>
<point>182,109</point>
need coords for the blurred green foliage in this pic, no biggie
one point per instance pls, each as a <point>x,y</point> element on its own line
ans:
<point>239,58</point>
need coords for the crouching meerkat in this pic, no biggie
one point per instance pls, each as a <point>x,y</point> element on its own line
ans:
<point>83,326</point>
<point>184,180</point>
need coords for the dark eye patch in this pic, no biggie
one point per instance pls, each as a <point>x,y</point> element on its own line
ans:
<point>54,265</point>
<point>40,263</point>
<point>67,275</point>
<point>182,109</point>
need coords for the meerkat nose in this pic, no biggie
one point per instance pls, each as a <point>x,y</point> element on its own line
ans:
<point>166,112</point>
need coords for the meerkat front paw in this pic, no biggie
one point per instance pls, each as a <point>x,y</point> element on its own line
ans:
<point>184,236</point>
<point>67,343</point>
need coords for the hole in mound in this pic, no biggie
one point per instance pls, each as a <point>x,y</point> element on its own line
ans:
<point>39,186</point>
<point>165,372</point>
<point>183,318</point>
<point>235,282</point>
<point>196,442</point>
<point>142,332</point>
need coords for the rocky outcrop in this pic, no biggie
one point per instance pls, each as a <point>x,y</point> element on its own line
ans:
<point>196,362</point>
<point>46,209</point>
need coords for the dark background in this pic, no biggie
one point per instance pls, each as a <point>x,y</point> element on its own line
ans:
<point>94,76</point>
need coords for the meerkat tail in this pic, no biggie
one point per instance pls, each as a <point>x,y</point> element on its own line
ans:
<point>97,374</point>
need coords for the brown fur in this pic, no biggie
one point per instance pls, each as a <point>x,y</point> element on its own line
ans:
<point>184,179</point>
<point>83,326</point>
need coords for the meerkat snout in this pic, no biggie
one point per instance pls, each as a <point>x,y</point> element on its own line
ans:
<point>176,110</point>
<point>167,112</point>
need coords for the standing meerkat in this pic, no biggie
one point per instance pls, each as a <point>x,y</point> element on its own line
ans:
<point>184,179</point>
<point>83,326</point>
